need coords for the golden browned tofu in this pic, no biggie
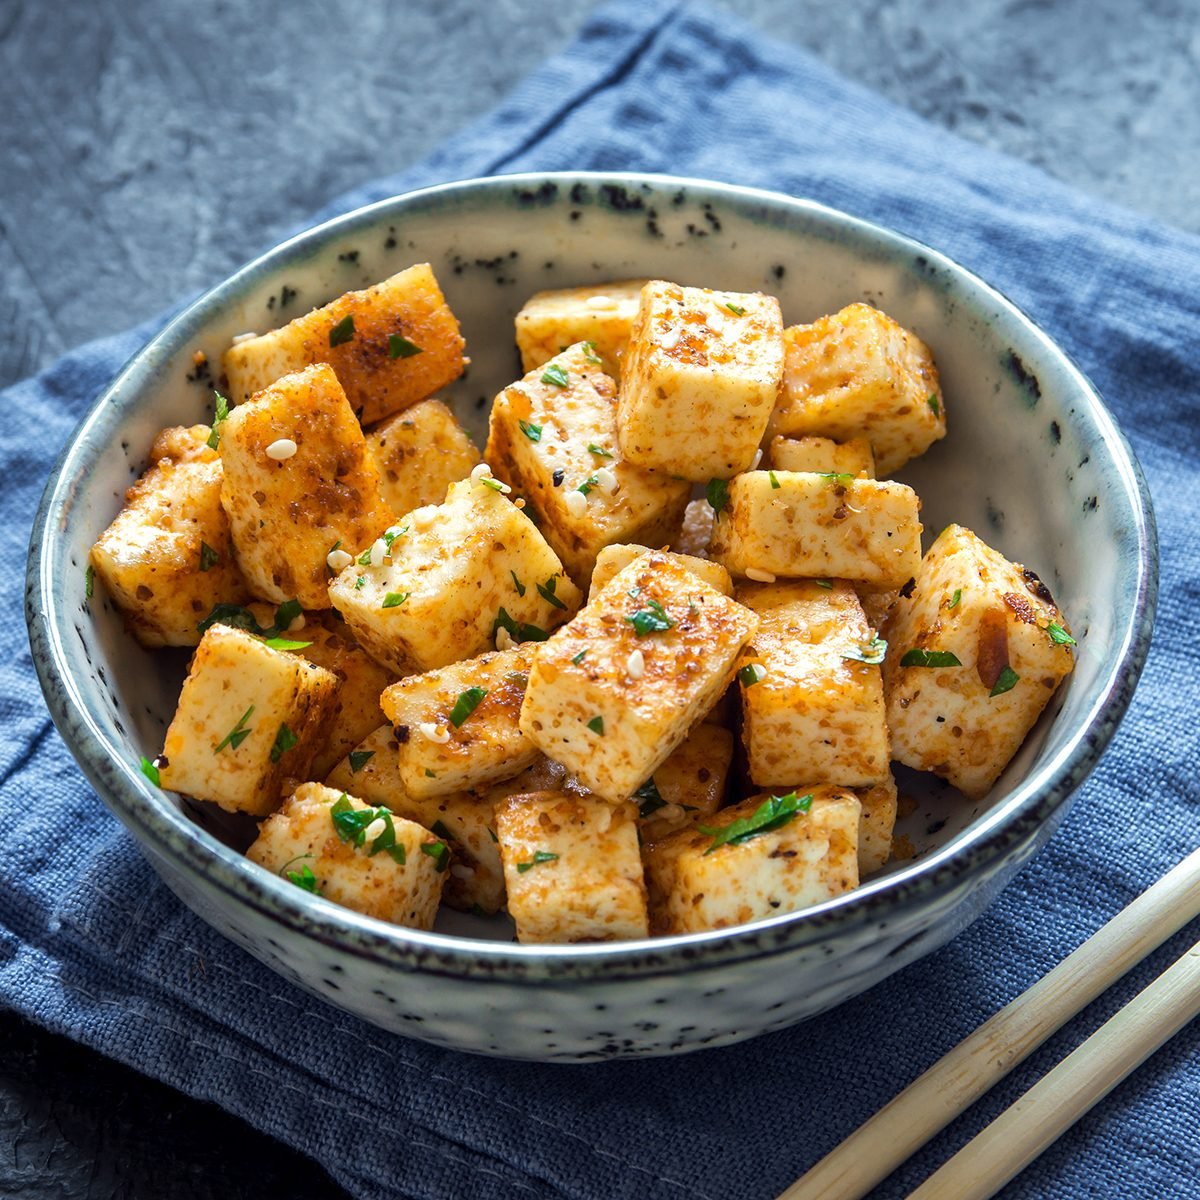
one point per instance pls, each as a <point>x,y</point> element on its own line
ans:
<point>420,452</point>
<point>812,688</point>
<point>699,380</point>
<point>301,491</point>
<point>553,437</point>
<point>455,578</point>
<point>389,345</point>
<point>823,455</point>
<point>612,559</point>
<point>475,879</point>
<point>249,718</point>
<point>767,855</point>
<point>878,823</point>
<point>689,786</point>
<point>167,558</point>
<point>369,859</point>
<point>601,314</point>
<point>859,374</point>
<point>572,868</point>
<point>457,725</point>
<point>975,653</point>
<point>878,605</point>
<point>615,691</point>
<point>696,531</point>
<point>795,524</point>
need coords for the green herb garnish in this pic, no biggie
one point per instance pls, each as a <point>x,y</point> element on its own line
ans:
<point>556,375</point>
<point>955,598</point>
<point>838,478</point>
<point>827,584</point>
<point>586,486</point>
<point>773,813</point>
<point>208,557</point>
<point>531,431</point>
<point>930,658</point>
<point>401,347</point>
<point>651,619</point>
<point>278,643</point>
<point>650,798</point>
<point>519,630</point>
<point>150,770</point>
<point>589,353</point>
<point>736,309</point>
<point>872,653</point>
<point>466,704</point>
<point>596,725</point>
<point>775,485</point>
<point>539,857</point>
<point>1059,636</point>
<point>932,401</point>
<point>578,658</point>
<point>343,331</point>
<point>439,852</point>
<point>750,674</point>
<point>717,493</point>
<point>360,583</point>
<point>219,417</point>
<point>394,599</point>
<point>546,591</point>
<point>1005,682</point>
<point>237,735</point>
<point>599,451</point>
<point>517,584</point>
<point>285,739</point>
<point>359,759</point>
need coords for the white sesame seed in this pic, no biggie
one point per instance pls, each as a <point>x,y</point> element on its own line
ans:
<point>281,449</point>
<point>670,339</point>
<point>460,871</point>
<point>576,503</point>
<point>757,459</point>
<point>338,560</point>
<point>759,576</point>
<point>635,664</point>
<point>243,337</point>
<point>504,639</point>
<point>600,302</point>
<point>296,624</point>
<point>434,733</point>
<point>480,472</point>
<point>376,829</point>
<point>606,480</point>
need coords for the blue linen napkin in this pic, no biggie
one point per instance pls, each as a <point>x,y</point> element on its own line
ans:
<point>92,945</point>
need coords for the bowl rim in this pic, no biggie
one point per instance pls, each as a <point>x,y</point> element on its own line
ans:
<point>1007,829</point>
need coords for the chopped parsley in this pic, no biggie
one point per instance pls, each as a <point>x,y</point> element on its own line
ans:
<point>586,486</point>
<point>827,584</point>
<point>539,857</point>
<point>360,583</point>
<point>242,618</point>
<point>466,704</point>
<point>1059,636</point>
<point>237,735</point>
<point>650,798</point>
<point>556,375</point>
<point>304,879</point>
<point>596,725</point>
<point>400,347</point>
<point>773,813</point>
<point>531,431</point>
<point>351,825</point>
<point>150,770</point>
<point>546,591</point>
<point>219,418</point>
<point>872,653</point>
<point>285,739</point>
<point>599,451</point>
<point>651,619</point>
<point>439,852</point>
<point>208,557</point>
<point>578,658</point>
<point>751,674</point>
<point>343,331</point>
<point>955,598</point>
<point>394,599</point>
<point>736,309</point>
<point>89,581</point>
<point>359,759</point>
<point>774,481</point>
<point>838,478</point>
<point>930,658</point>
<point>517,583</point>
<point>439,827</point>
<point>494,484</point>
<point>278,643</point>
<point>932,401</point>
<point>1005,682</point>
<point>590,355</point>
<point>518,630</point>
<point>717,493</point>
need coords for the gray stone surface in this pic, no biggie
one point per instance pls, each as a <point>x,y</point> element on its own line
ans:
<point>149,148</point>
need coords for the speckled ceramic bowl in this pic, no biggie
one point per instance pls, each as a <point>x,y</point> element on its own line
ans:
<point>1033,461</point>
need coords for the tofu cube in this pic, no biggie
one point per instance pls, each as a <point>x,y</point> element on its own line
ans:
<point>823,455</point>
<point>299,486</point>
<point>457,726</point>
<point>689,786</point>
<point>460,574</point>
<point>612,559</point>
<point>315,842</point>
<point>553,436</point>
<point>572,868</point>
<point>249,717</point>
<point>878,824</point>
<point>699,380</point>
<point>696,532</point>
<point>420,452</point>
<point>389,345</point>
<point>859,374</point>
<point>798,524</point>
<point>601,313</point>
<point>614,692</point>
<point>963,717</point>
<point>812,708</point>
<point>475,880</point>
<point>810,858</point>
<point>167,558</point>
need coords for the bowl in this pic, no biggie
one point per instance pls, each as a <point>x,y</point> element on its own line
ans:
<point>1033,462</point>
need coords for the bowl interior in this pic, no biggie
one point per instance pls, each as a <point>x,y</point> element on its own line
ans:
<point>1031,462</point>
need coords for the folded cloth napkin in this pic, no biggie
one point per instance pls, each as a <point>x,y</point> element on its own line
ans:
<point>93,946</point>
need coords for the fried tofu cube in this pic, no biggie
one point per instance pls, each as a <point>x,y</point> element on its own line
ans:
<point>572,868</point>
<point>614,692</point>
<point>696,532</point>
<point>457,725</point>
<point>689,786</point>
<point>316,842</point>
<point>553,436</point>
<point>878,824</point>
<point>612,559</point>
<point>458,573</point>
<point>167,558</point>
<point>389,345</point>
<point>248,718</point>
<point>859,374</point>
<point>798,524</point>
<point>699,380</point>
<point>696,882</point>
<point>420,452</point>
<point>812,688</point>
<point>600,313</point>
<point>299,486</point>
<point>823,456</point>
<point>975,653</point>
<point>475,880</point>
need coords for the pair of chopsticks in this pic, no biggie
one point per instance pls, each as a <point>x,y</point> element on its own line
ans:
<point>1015,1138</point>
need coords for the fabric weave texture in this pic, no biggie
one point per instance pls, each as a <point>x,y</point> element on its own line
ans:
<point>94,946</point>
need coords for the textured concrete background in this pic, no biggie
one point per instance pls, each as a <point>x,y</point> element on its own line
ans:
<point>149,148</point>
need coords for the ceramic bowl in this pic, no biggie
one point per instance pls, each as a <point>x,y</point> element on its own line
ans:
<point>1033,462</point>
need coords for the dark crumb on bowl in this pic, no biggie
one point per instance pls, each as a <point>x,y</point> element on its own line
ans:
<point>1025,377</point>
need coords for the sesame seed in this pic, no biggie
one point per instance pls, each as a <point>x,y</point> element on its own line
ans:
<point>504,639</point>
<point>757,459</point>
<point>759,576</point>
<point>635,664</point>
<point>600,302</point>
<point>377,828</point>
<point>606,480</point>
<point>281,449</point>
<point>243,337</point>
<point>338,560</point>
<point>576,503</point>
<point>433,732</point>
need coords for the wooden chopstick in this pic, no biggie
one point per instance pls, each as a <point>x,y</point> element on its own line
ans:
<point>983,1058</point>
<point>1015,1138</point>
